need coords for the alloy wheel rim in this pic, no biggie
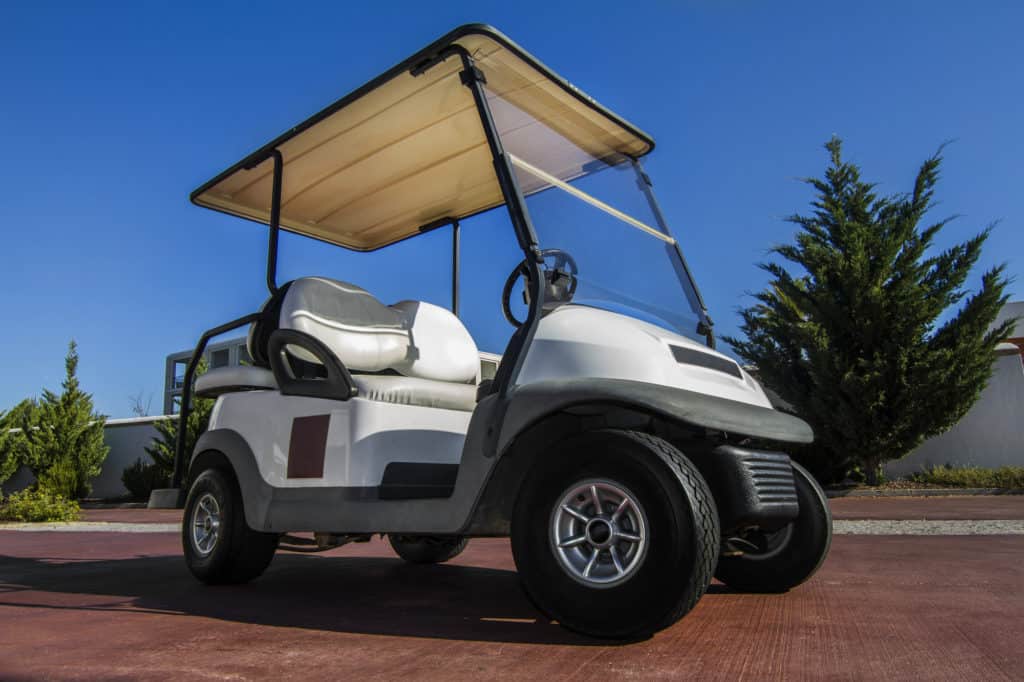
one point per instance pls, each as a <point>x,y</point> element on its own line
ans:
<point>598,533</point>
<point>206,519</point>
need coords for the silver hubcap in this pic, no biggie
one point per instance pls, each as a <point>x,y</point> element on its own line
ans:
<point>205,524</point>
<point>599,533</point>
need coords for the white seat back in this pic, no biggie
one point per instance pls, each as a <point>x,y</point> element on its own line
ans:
<point>362,332</point>
<point>414,338</point>
<point>440,345</point>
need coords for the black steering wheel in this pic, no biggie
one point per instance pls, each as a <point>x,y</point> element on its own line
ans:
<point>559,282</point>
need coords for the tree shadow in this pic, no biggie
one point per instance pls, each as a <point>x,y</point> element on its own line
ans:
<point>365,595</point>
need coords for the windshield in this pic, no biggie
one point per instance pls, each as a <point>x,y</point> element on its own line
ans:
<point>593,205</point>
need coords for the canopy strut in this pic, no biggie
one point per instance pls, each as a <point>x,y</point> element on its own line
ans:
<point>455,268</point>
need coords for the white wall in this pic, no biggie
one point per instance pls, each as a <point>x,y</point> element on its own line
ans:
<point>126,438</point>
<point>990,435</point>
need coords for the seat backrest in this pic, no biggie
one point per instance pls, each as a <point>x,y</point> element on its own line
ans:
<point>413,338</point>
<point>363,333</point>
<point>440,345</point>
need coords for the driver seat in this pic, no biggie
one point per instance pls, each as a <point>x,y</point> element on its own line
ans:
<point>409,353</point>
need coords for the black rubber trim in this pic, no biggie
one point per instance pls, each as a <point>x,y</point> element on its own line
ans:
<point>270,318</point>
<point>417,480</point>
<point>530,403</point>
<point>337,385</point>
<point>689,356</point>
<point>425,55</point>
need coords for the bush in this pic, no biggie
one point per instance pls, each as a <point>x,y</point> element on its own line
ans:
<point>141,479</point>
<point>972,477</point>
<point>12,440</point>
<point>35,504</point>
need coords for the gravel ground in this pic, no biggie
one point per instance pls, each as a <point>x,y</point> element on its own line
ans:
<point>995,527</point>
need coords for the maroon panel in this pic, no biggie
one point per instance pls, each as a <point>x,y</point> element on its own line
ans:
<point>307,446</point>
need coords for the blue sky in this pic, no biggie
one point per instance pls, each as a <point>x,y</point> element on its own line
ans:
<point>111,115</point>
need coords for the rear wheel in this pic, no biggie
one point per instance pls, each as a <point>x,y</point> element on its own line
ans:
<point>615,534</point>
<point>781,560</point>
<point>427,549</point>
<point>219,547</point>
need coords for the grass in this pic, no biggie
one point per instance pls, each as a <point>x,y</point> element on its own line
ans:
<point>972,477</point>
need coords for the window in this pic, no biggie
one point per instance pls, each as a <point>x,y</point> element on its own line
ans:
<point>243,355</point>
<point>179,373</point>
<point>488,368</point>
<point>220,358</point>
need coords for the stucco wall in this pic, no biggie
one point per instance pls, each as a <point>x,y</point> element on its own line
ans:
<point>990,435</point>
<point>126,438</point>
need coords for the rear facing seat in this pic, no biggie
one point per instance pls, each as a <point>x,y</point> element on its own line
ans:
<point>411,353</point>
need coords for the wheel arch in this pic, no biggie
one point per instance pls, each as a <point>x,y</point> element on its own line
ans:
<point>227,450</point>
<point>517,455</point>
<point>542,413</point>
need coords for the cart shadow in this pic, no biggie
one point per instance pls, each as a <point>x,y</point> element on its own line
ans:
<point>363,595</point>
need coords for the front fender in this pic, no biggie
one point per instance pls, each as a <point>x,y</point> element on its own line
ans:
<point>529,403</point>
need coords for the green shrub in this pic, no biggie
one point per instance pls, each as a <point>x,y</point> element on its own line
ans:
<point>12,440</point>
<point>35,504</point>
<point>972,477</point>
<point>140,479</point>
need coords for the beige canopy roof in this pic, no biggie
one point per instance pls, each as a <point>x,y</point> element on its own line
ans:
<point>406,151</point>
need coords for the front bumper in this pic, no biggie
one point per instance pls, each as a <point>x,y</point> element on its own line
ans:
<point>752,488</point>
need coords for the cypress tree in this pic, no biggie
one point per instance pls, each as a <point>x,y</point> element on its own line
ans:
<point>64,436</point>
<point>872,337</point>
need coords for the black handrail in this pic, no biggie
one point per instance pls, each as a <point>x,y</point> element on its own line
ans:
<point>186,391</point>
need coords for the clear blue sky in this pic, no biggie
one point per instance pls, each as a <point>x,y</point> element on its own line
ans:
<point>110,116</point>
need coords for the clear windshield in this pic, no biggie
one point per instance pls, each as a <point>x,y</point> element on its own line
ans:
<point>591,204</point>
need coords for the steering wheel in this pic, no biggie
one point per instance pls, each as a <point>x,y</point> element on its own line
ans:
<point>559,282</point>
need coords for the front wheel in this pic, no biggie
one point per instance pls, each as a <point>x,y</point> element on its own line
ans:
<point>219,547</point>
<point>781,560</point>
<point>615,534</point>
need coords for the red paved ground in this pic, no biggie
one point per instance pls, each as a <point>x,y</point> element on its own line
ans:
<point>931,508</point>
<point>978,507</point>
<point>132,515</point>
<point>110,606</point>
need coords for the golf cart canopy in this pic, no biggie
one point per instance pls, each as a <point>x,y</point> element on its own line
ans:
<point>407,151</point>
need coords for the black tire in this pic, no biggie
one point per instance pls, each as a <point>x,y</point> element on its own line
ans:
<point>682,527</point>
<point>238,554</point>
<point>790,556</point>
<point>427,549</point>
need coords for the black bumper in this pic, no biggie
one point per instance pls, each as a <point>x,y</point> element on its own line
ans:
<point>751,487</point>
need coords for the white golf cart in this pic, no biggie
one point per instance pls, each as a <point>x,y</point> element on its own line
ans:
<point>614,445</point>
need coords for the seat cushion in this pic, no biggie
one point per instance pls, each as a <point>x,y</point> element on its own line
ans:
<point>413,391</point>
<point>229,379</point>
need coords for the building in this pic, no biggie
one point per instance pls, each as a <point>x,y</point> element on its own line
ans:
<point>234,352</point>
<point>230,353</point>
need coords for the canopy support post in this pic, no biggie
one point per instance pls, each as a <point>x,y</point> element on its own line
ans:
<point>515,353</point>
<point>455,268</point>
<point>275,221</point>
